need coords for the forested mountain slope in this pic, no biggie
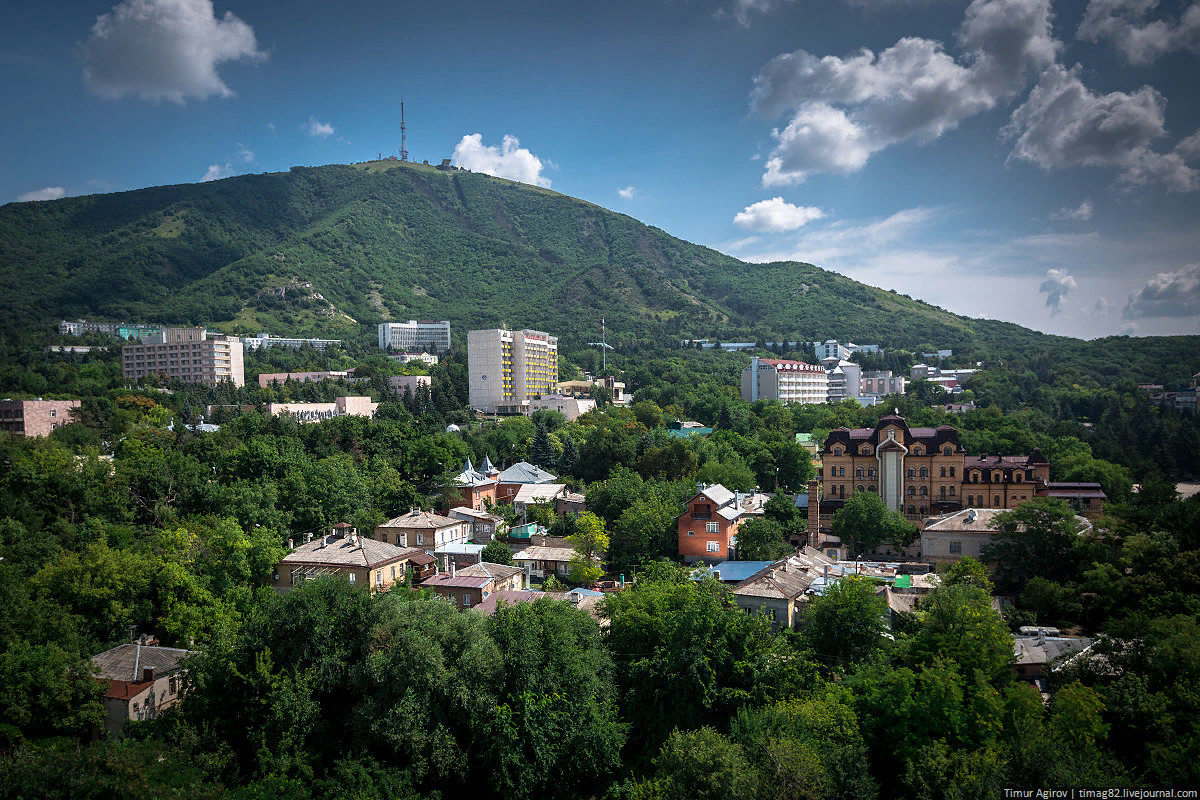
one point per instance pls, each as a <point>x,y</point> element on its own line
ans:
<point>336,249</point>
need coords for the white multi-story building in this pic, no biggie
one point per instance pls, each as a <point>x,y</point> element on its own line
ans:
<point>508,368</point>
<point>186,354</point>
<point>267,340</point>
<point>831,349</point>
<point>881,382</point>
<point>427,335</point>
<point>785,381</point>
<point>845,380</point>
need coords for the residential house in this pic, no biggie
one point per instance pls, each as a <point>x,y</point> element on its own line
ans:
<point>950,537</point>
<point>470,586</point>
<point>708,527</point>
<point>1086,498</point>
<point>143,681</point>
<point>424,529</point>
<point>1037,655</point>
<point>344,554</point>
<point>484,526</point>
<point>538,494</point>
<point>570,503</point>
<point>782,587</point>
<point>552,557</point>
<point>510,481</point>
<point>474,488</point>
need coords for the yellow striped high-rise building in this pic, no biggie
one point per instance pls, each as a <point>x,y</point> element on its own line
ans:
<point>509,368</point>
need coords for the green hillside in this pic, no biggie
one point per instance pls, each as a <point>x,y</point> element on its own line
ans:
<point>334,250</point>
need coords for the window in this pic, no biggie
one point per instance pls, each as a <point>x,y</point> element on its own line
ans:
<point>858,488</point>
<point>871,472</point>
<point>948,450</point>
<point>352,577</point>
<point>393,574</point>
<point>924,491</point>
<point>924,472</point>
<point>712,547</point>
<point>996,501</point>
<point>859,473</point>
<point>943,472</point>
<point>871,488</point>
<point>918,450</point>
<point>951,470</point>
<point>420,539</point>
<point>712,527</point>
<point>912,491</point>
<point>924,511</point>
<point>837,451</point>
<point>171,686</point>
<point>995,477</point>
<point>955,548</point>
<point>383,538</point>
<point>942,493</point>
<point>912,510</point>
<point>54,412</point>
<point>379,577</point>
<point>1018,477</point>
<point>952,491</point>
<point>691,533</point>
<point>841,472</point>
<point>466,600</point>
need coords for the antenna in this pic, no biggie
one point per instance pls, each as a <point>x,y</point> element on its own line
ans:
<point>604,347</point>
<point>403,135</point>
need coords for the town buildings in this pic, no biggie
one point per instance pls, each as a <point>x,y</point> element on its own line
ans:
<point>833,350</point>
<point>785,381</point>
<point>782,588</point>
<point>263,340</point>
<point>570,407</point>
<point>404,358</point>
<point>510,481</point>
<point>189,355</point>
<point>143,681</point>
<point>583,388</point>
<point>344,554</point>
<point>507,369</point>
<point>469,586</point>
<point>423,335</point>
<point>410,382</point>
<point>35,417</point>
<point>474,488</point>
<point>315,412</point>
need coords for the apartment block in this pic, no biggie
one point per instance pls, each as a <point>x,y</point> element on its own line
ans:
<point>785,381</point>
<point>426,335</point>
<point>267,378</point>
<point>509,368</point>
<point>881,382</point>
<point>35,417</point>
<point>188,355</point>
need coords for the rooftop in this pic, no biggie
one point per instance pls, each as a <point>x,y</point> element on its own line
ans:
<point>538,553</point>
<point>539,492</point>
<point>524,472</point>
<point>125,662</point>
<point>489,570</point>
<point>421,520</point>
<point>347,552</point>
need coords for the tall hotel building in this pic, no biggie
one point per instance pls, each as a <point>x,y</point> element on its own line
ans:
<point>508,368</point>
<point>415,335</point>
<point>186,354</point>
<point>785,381</point>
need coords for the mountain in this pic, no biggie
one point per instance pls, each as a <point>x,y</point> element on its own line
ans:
<point>334,250</point>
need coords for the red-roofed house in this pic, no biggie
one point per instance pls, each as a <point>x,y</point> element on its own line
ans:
<point>143,680</point>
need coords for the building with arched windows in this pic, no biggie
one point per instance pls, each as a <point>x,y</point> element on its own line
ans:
<point>926,472</point>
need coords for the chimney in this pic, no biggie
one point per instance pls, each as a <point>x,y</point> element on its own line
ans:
<point>528,569</point>
<point>445,563</point>
<point>453,567</point>
<point>148,675</point>
<point>291,545</point>
<point>308,537</point>
<point>323,542</point>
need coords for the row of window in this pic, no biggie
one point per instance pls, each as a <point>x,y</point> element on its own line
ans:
<point>917,450</point>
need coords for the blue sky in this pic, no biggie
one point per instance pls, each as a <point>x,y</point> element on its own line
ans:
<point>1025,160</point>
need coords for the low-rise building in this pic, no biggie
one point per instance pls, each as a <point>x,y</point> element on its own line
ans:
<point>344,554</point>
<point>268,378</point>
<point>949,537</point>
<point>316,412</point>
<point>510,481</point>
<point>143,681</point>
<point>570,407</point>
<point>264,340</point>
<point>538,494</point>
<point>474,488</point>
<point>430,335</point>
<point>708,527</point>
<point>405,358</point>
<point>570,503</point>
<point>553,558</point>
<point>484,526</point>
<point>469,586</point>
<point>1038,654</point>
<point>424,529</point>
<point>782,588</point>
<point>35,417</point>
<point>412,383</point>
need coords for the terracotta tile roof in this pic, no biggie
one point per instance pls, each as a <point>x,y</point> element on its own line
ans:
<point>342,553</point>
<point>499,572</point>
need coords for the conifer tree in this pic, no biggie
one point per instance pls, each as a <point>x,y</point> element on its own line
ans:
<point>542,452</point>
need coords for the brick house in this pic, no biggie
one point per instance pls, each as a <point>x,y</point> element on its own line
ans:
<point>474,488</point>
<point>709,525</point>
<point>424,529</point>
<point>35,417</point>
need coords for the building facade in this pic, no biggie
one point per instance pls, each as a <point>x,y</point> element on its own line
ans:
<point>347,556</point>
<point>881,382</point>
<point>316,412</point>
<point>143,681</point>
<point>708,527</point>
<point>187,355</point>
<point>424,529</point>
<point>785,381</point>
<point>35,417</point>
<point>267,378</point>
<point>425,335</point>
<point>509,368</point>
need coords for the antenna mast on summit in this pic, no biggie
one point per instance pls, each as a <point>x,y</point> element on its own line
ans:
<point>403,135</point>
<point>604,347</point>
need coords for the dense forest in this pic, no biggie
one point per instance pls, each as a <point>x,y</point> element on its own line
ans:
<point>128,517</point>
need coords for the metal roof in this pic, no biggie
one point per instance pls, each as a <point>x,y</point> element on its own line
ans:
<point>524,472</point>
<point>125,662</point>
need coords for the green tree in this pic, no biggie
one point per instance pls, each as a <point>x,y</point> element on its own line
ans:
<point>497,552</point>
<point>569,458</point>
<point>761,539</point>
<point>701,764</point>
<point>967,571</point>
<point>864,522</point>
<point>1037,538</point>
<point>542,451</point>
<point>590,543</point>
<point>846,623</point>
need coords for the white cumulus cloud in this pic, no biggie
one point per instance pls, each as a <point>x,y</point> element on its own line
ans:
<point>245,153</point>
<point>507,160</point>
<point>164,50</point>
<point>1123,23</point>
<point>319,129</point>
<point>775,216</point>
<point>49,193</point>
<point>844,110</point>
<point>216,172</point>
<point>1080,213</point>
<point>1065,124</point>
<point>1167,294</point>
<point>627,193</point>
<point>1056,286</point>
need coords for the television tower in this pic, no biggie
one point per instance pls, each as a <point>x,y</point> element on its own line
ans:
<point>604,347</point>
<point>403,135</point>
